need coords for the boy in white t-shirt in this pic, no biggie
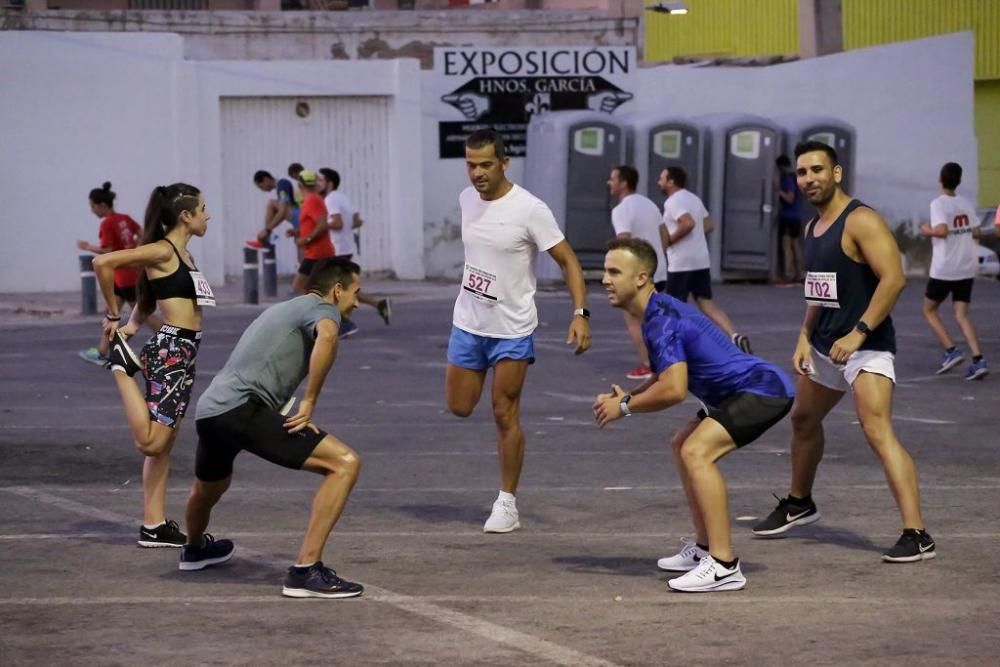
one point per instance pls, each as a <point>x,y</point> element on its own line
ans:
<point>953,231</point>
<point>637,216</point>
<point>688,261</point>
<point>504,227</point>
<point>342,220</point>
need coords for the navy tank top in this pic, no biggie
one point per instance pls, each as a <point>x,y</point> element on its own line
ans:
<point>843,288</point>
<point>177,285</point>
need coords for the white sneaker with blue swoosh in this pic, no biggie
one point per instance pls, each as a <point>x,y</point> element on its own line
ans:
<point>708,577</point>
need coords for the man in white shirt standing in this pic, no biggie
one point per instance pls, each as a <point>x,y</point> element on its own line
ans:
<point>342,220</point>
<point>504,227</point>
<point>637,216</point>
<point>953,231</point>
<point>688,261</point>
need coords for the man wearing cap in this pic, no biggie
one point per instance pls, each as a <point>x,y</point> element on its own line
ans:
<point>312,235</point>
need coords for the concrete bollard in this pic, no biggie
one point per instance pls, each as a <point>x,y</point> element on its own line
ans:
<point>88,286</point>
<point>270,269</point>
<point>251,291</point>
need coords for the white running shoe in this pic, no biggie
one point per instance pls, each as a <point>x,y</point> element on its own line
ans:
<point>503,519</point>
<point>685,561</point>
<point>709,576</point>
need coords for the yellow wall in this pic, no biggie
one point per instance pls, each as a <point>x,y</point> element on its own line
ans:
<point>730,28</point>
<point>988,134</point>
<point>873,22</point>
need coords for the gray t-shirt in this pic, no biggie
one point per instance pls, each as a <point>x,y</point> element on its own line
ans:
<point>271,358</point>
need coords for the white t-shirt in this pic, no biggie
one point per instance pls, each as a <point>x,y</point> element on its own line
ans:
<point>954,257</point>
<point>343,239</point>
<point>639,216</point>
<point>502,238</point>
<point>691,252</point>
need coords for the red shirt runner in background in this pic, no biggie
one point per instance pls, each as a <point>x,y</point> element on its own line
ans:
<point>120,232</point>
<point>313,210</point>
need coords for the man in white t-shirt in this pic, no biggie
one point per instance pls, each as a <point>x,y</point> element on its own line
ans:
<point>688,261</point>
<point>637,216</point>
<point>342,220</point>
<point>953,231</point>
<point>504,227</point>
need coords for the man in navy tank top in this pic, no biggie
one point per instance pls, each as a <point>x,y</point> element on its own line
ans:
<point>854,274</point>
<point>742,396</point>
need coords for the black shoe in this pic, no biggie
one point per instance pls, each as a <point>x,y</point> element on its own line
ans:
<point>318,581</point>
<point>911,547</point>
<point>788,513</point>
<point>167,534</point>
<point>742,342</point>
<point>122,357</point>
<point>210,552</point>
<point>385,310</point>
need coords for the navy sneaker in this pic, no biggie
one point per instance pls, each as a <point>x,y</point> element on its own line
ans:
<point>977,370</point>
<point>209,552</point>
<point>347,328</point>
<point>167,534</point>
<point>318,581</point>
<point>950,360</point>
<point>121,357</point>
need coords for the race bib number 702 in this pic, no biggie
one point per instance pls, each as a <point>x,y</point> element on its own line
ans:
<point>821,289</point>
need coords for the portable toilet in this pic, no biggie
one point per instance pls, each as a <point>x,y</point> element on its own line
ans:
<point>659,141</point>
<point>741,196</point>
<point>833,132</point>
<point>570,155</point>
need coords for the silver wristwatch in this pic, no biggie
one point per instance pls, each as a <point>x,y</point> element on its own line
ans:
<point>624,405</point>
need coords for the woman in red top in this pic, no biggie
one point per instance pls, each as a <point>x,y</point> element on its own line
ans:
<point>118,231</point>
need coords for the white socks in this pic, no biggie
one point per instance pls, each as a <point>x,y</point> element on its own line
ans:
<point>506,497</point>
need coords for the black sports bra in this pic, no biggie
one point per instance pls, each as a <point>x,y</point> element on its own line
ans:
<point>177,285</point>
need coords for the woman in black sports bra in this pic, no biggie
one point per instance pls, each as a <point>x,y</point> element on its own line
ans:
<point>171,283</point>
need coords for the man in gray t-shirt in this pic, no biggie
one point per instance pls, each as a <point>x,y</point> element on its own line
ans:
<point>242,410</point>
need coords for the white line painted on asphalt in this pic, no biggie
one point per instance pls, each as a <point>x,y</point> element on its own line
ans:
<point>520,641</point>
<point>618,488</point>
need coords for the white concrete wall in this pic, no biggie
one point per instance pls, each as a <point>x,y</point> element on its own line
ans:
<point>82,108</point>
<point>911,102</point>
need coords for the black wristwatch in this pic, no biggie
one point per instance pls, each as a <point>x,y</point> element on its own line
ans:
<point>862,327</point>
<point>582,312</point>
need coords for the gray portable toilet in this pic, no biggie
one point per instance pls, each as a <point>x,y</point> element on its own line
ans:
<point>570,155</point>
<point>831,131</point>
<point>741,194</point>
<point>658,141</point>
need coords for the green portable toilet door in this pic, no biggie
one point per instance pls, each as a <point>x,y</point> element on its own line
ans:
<point>748,199</point>
<point>595,149</point>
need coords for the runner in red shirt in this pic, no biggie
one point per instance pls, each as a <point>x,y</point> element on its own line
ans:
<point>118,231</point>
<point>313,235</point>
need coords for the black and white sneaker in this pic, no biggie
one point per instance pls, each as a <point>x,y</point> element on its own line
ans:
<point>318,581</point>
<point>385,310</point>
<point>209,552</point>
<point>787,514</point>
<point>913,545</point>
<point>167,534</point>
<point>121,357</point>
<point>742,342</point>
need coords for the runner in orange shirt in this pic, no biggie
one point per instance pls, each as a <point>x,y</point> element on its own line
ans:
<point>313,234</point>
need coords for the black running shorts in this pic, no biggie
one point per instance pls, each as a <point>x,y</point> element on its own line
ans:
<point>256,428</point>
<point>746,416</point>
<point>938,290</point>
<point>682,283</point>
